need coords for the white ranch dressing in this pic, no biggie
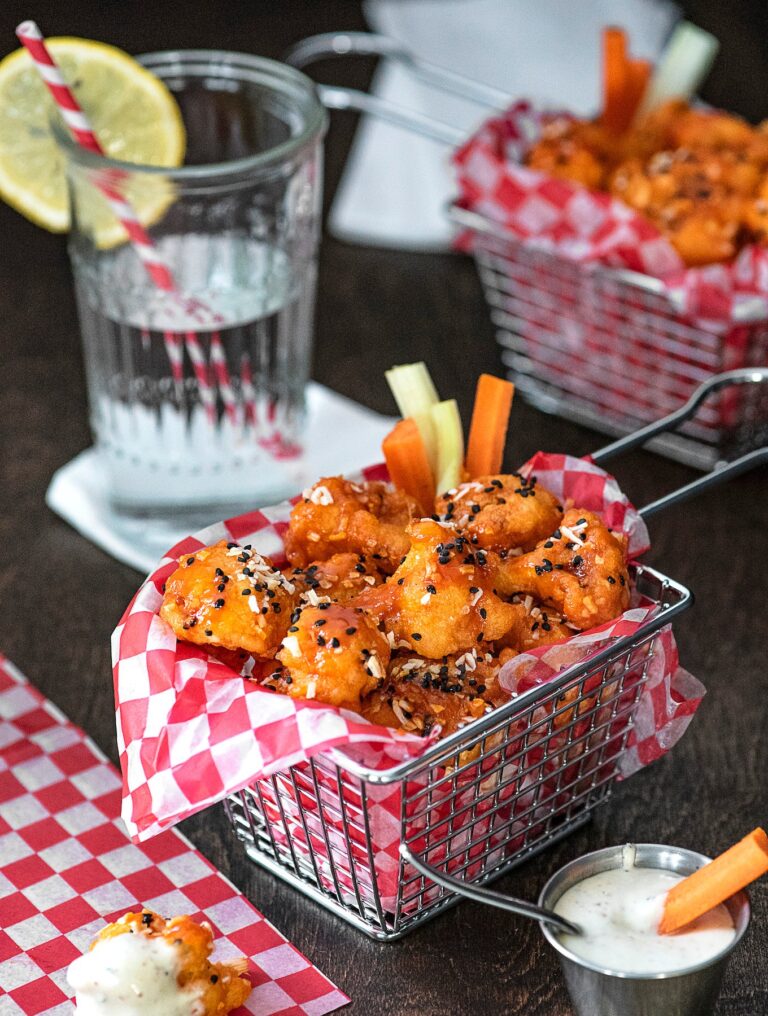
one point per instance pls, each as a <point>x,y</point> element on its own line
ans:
<point>619,912</point>
<point>131,975</point>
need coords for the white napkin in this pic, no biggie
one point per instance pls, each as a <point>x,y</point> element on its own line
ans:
<point>396,185</point>
<point>341,437</point>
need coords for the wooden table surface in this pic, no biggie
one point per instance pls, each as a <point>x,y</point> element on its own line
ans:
<point>61,596</point>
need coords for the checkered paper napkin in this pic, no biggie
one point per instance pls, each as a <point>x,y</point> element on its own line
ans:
<point>67,867</point>
<point>191,732</point>
<point>588,226</point>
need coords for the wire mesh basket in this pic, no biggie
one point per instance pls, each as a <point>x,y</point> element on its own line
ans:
<point>606,348</point>
<point>474,805</point>
<point>493,793</point>
<point>601,346</point>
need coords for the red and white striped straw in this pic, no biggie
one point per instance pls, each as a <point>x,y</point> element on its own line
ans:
<point>31,38</point>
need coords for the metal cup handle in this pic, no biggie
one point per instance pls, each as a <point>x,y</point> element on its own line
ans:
<point>723,471</point>
<point>489,896</point>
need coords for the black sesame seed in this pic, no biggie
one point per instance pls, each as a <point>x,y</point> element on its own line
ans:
<point>320,640</point>
<point>578,560</point>
<point>277,608</point>
<point>221,588</point>
<point>416,636</point>
<point>350,631</point>
<point>334,643</point>
<point>400,581</point>
<point>245,592</point>
<point>190,560</point>
<point>294,627</point>
<point>208,631</point>
<point>431,589</point>
<point>611,580</point>
<point>218,604</point>
<point>320,622</point>
<point>288,679</point>
<point>480,636</point>
<point>483,613</point>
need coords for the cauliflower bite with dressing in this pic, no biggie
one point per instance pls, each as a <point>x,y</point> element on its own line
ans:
<point>143,964</point>
<point>333,653</point>
<point>580,571</point>
<point>441,600</point>
<point>501,512</point>
<point>229,596</point>
<point>338,516</point>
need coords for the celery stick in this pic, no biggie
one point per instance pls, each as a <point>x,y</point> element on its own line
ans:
<point>429,436</point>
<point>412,387</point>
<point>415,395</point>
<point>682,67</point>
<point>450,444</point>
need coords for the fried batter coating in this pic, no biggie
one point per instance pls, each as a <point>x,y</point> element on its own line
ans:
<point>580,571</point>
<point>534,626</point>
<point>441,600</point>
<point>222,987</point>
<point>340,578</point>
<point>419,694</point>
<point>229,596</point>
<point>338,516</point>
<point>332,653</point>
<point>501,512</point>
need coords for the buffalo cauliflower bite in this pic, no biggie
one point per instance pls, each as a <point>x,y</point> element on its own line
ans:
<point>441,600</point>
<point>501,512</point>
<point>580,571</point>
<point>143,962</point>
<point>420,694</point>
<point>229,596</point>
<point>332,653</point>
<point>338,516</point>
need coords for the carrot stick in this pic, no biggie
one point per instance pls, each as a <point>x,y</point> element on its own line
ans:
<point>614,79</point>
<point>715,882</point>
<point>488,430</point>
<point>638,76</point>
<point>408,463</point>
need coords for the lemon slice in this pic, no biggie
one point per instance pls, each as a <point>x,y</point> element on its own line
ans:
<point>133,114</point>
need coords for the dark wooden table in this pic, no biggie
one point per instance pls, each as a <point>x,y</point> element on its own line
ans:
<point>61,596</point>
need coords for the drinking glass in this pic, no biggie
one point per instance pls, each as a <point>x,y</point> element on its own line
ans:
<point>196,390</point>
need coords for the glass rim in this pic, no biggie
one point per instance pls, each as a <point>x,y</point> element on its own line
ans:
<point>282,77</point>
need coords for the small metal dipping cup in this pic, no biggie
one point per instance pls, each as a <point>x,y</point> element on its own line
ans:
<point>598,991</point>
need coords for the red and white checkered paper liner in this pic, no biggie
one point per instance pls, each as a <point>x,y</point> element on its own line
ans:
<point>588,226</point>
<point>67,867</point>
<point>191,732</point>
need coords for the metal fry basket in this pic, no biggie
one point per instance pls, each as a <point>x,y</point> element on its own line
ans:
<point>603,347</point>
<point>487,797</point>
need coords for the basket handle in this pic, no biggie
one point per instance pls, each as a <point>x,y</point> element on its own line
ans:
<point>336,44</point>
<point>490,896</point>
<point>721,472</point>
